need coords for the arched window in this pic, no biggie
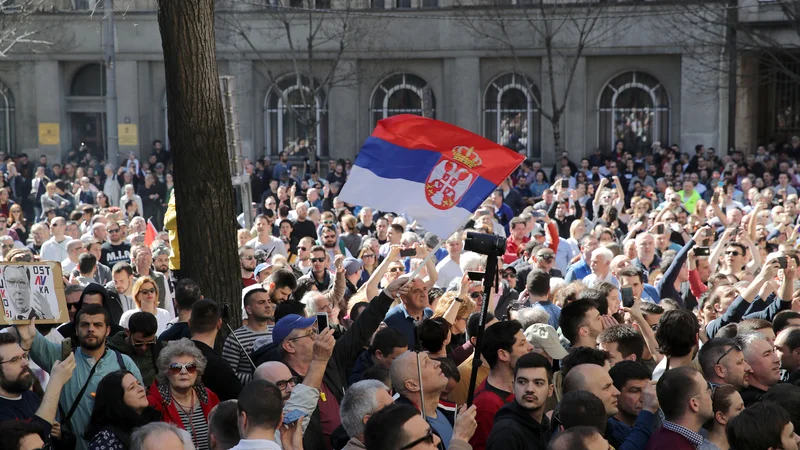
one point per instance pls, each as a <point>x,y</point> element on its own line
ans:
<point>633,109</point>
<point>6,120</point>
<point>89,81</point>
<point>400,93</point>
<point>511,115</point>
<point>294,116</point>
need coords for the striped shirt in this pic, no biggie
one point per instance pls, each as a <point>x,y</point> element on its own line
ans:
<point>237,358</point>
<point>197,427</point>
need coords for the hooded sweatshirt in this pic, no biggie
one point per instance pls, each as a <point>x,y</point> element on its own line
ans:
<point>515,429</point>
<point>146,361</point>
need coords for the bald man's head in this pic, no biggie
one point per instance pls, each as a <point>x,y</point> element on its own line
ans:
<point>405,378</point>
<point>595,379</point>
<point>278,373</point>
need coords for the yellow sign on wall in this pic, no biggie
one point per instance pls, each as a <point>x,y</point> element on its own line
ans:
<point>49,134</point>
<point>128,135</point>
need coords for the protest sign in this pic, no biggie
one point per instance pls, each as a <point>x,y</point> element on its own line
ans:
<point>32,290</point>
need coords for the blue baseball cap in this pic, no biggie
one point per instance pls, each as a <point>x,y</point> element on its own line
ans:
<point>289,323</point>
<point>262,266</point>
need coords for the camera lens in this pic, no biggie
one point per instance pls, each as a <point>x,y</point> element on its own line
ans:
<point>485,244</point>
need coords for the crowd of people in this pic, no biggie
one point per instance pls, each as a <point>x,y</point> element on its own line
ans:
<point>644,302</point>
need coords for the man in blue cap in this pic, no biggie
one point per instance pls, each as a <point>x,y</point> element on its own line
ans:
<point>295,335</point>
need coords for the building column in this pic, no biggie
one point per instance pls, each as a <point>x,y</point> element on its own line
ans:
<point>343,114</point>
<point>461,102</point>
<point>242,71</point>
<point>53,132</point>
<point>700,110</point>
<point>130,138</point>
<point>574,135</point>
<point>747,104</point>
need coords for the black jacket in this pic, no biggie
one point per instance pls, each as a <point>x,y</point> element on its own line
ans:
<point>219,377</point>
<point>514,429</point>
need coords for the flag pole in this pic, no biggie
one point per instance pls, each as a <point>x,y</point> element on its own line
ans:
<point>421,392</point>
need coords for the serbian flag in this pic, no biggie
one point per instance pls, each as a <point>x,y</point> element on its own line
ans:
<point>150,233</point>
<point>436,173</point>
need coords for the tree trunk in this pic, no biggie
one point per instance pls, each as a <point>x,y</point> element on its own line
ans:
<point>203,187</point>
<point>556,123</point>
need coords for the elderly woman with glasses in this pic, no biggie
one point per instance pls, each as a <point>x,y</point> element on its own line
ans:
<point>145,296</point>
<point>178,392</point>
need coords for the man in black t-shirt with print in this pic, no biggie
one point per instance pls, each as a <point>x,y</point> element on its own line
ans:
<point>116,250</point>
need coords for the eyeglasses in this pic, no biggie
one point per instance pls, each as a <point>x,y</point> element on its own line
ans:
<point>116,230</point>
<point>732,252</point>
<point>317,260</point>
<point>475,295</point>
<point>367,256</point>
<point>142,344</point>
<point>725,353</point>
<point>72,306</point>
<point>302,249</point>
<point>176,368</point>
<point>547,258</point>
<point>311,333</point>
<point>147,291</point>
<point>282,384</point>
<point>248,257</point>
<point>428,439</point>
<point>509,275</point>
<point>17,359</point>
<point>396,269</point>
<point>327,222</point>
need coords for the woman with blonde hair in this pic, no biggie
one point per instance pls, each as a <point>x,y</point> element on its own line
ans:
<point>178,392</point>
<point>145,296</point>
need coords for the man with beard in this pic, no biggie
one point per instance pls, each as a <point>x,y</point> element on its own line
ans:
<point>722,362</point>
<point>161,264</point>
<point>260,320</point>
<point>17,400</point>
<point>24,304</point>
<point>522,424</point>
<point>319,268</point>
<point>139,342</point>
<point>204,324</point>
<point>247,264</point>
<point>93,327</point>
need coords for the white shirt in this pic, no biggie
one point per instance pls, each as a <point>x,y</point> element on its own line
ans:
<point>55,251</point>
<point>447,270</point>
<point>592,279</point>
<point>273,246</point>
<point>67,266</point>
<point>256,444</point>
<point>162,317</point>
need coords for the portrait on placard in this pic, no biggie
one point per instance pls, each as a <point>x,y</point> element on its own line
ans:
<point>32,290</point>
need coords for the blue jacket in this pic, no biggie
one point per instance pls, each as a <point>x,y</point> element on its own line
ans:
<point>623,437</point>
<point>45,354</point>
<point>398,318</point>
<point>578,271</point>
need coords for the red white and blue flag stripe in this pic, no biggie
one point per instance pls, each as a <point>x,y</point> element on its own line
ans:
<point>436,173</point>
